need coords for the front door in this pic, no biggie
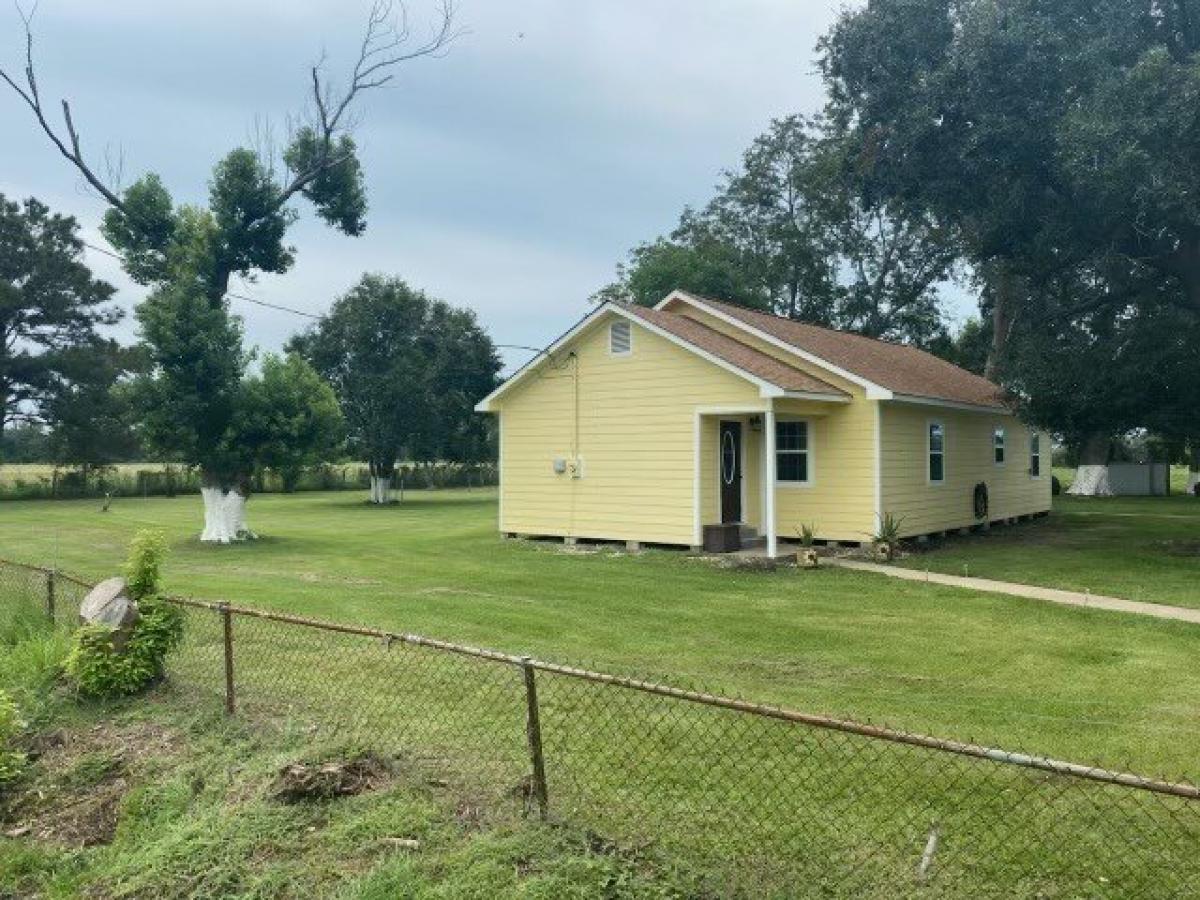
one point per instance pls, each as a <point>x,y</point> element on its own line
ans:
<point>730,459</point>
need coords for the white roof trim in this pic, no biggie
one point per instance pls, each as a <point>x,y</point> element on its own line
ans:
<point>874,391</point>
<point>953,404</point>
<point>765,388</point>
<point>816,395</point>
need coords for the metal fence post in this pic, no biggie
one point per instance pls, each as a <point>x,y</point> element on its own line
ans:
<point>227,621</point>
<point>533,730</point>
<point>51,599</point>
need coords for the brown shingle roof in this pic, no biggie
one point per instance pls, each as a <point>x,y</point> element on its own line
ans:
<point>734,352</point>
<point>899,368</point>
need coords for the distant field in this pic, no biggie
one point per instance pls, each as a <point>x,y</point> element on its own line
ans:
<point>29,472</point>
<point>39,481</point>
<point>18,472</point>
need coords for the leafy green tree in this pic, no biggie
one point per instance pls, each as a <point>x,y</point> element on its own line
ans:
<point>24,443</point>
<point>408,371</point>
<point>968,347</point>
<point>199,404</point>
<point>1049,135</point>
<point>789,231</point>
<point>1106,351</point>
<point>50,308</point>
<point>188,254</point>
<point>686,261</point>
<point>92,412</point>
<point>291,416</point>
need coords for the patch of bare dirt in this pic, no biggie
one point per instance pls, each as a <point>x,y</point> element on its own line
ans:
<point>79,779</point>
<point>301,781</point>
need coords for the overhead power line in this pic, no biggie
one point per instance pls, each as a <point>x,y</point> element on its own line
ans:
<point>289,309</point>
<point>233,294</point>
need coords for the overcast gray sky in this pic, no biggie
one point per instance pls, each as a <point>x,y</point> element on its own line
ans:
<point>509,176</point>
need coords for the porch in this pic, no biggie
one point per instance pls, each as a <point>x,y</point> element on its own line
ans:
<point>744,457</point>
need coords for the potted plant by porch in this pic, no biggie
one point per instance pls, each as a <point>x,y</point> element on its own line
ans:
<point>808,558</point>
<point>887,537</point>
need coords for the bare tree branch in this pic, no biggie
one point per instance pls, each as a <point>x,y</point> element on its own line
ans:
<point>385,45</point>
<point>33,100</point>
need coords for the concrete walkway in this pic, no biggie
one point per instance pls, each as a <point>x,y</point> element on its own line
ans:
<point>1053,595</point>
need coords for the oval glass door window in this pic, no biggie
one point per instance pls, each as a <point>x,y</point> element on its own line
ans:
<point>728,458</point>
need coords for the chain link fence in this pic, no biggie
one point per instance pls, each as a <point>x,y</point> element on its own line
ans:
<point>762,801</point>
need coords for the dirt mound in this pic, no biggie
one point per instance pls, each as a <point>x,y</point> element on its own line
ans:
<point>73,797</point>
<point>302,781</point>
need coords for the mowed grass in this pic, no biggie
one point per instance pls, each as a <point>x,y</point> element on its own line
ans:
<point>1081,684</point>
<point>1137,548</point>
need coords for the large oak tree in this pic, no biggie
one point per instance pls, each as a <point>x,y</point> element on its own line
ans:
<point>1059,139</point>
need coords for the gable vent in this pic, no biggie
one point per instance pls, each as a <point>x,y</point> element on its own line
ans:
<point>620,339</point>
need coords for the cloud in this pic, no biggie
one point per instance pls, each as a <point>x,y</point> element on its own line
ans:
<point>508,176</point>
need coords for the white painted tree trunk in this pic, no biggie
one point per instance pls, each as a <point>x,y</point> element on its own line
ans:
<point>224,516</point>
<point>1091,481</point>
<point>381,488</point>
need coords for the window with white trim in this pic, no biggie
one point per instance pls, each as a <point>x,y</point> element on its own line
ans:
<point>791,451</point>
<point>998,442</point>
<point>937,452</point>
<point>1035,454</point>
<point>620,338</point>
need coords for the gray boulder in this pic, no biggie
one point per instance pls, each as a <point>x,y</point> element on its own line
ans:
<point>110,605</point>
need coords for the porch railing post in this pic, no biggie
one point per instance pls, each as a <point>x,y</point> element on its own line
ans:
<point>533,731</point>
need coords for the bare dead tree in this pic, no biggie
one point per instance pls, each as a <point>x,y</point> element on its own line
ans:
<point>387,43</point>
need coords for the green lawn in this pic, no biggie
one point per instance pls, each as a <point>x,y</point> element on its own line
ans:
<point>1137,548</point>
<point>1077,683</point>
<point>846,815</point>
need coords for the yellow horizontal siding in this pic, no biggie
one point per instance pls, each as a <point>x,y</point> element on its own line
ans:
<point>927,507</point>
<point>636,436</point>
<point>840,502</point>
<point>632,421</point>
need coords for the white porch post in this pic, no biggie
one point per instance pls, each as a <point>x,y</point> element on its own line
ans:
<point>769,477</point>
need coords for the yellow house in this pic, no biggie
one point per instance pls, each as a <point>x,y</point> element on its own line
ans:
<point>645,425</point>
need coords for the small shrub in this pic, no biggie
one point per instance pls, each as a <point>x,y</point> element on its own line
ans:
<point>1055,486</point>
<point>144,565</point>
<point>807,534</point>
<point>11,761</point>
<point>94,664</point>
<point>99,670</point>
<point>888,532</point>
